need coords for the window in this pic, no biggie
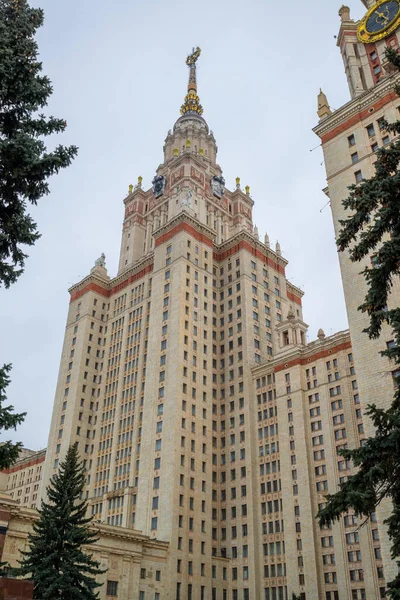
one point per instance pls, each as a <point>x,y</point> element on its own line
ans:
<point>358,176</point>
<point>351,139</point>
<point>385,140</point>
<point>352,538</point>
<point>370,130</point>
<point>354,157</point>
<point>396,378</point>
<point>112,588</point>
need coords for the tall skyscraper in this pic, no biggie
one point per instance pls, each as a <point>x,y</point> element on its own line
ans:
<point>350,137</point>
<point>155,381</point>
<point>204,417</point>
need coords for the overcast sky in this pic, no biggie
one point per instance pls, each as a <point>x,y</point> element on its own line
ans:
<point>119,76</point>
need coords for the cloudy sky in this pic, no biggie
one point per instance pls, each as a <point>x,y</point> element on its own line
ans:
<point>119,76</point>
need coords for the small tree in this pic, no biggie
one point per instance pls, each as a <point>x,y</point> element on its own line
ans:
<point>374,228</point>
<point>55,560</point>
<point>25,165</point>
<point>9,451</point>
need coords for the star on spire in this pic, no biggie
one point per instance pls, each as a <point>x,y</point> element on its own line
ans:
<point>192,101</point>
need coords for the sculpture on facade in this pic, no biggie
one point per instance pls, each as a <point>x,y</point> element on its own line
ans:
<point>101,261</point>
<point>159,183</point>
<point>217,186</point>
<point>187,200</point>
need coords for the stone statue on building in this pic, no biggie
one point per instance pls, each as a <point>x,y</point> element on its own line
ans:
<point>100,262</point>
<point>187,200</point>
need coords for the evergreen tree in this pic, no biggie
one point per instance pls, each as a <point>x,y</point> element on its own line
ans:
<point>55,559</point>
<point>25,164</point>
<point>374,229</point>
<point>9,451</point>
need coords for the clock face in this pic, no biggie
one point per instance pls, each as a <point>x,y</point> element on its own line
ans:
<point>380,21</point>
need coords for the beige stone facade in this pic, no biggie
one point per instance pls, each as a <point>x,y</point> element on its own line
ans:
<point>23,480</point>
<point>205,420</point>
<point>350,137</point>
<point>135,565</point>
<point>308,409</point>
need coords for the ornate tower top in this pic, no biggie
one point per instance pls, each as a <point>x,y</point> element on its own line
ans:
<point>192,101</point>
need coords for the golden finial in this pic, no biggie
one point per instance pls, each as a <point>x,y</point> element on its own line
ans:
<point>193,58</point>
<point>201,151</point>
<point>176,151</point>
<point>237,182</point>
<point>192,101</point>
<point>188,142</point>
<point>130,188</point>
<point>247,188</point>
<point>139,181</point>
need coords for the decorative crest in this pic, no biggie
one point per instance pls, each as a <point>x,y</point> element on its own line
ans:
<point>159,183</point>
<point>192,58</point>
<point>192,101</point>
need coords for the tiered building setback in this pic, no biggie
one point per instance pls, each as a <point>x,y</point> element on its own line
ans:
<point>204,418</point>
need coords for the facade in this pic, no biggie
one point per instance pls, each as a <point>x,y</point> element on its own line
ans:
<point>205,420</point>
<point>350,137</point>
<point>308,409</point>
<point>155,382</point>
<point>127,556</point>
<point>23,480</point>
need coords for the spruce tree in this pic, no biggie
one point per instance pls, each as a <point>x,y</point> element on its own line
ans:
<point>373,229</point>
<point>56,560</point>
<point>9,451</point>
<point>25,163</point>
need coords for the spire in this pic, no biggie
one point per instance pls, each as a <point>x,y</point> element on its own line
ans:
<point>192,101</point>
<point>323,106</point>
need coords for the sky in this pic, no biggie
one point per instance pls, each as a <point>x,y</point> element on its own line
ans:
<point>119,77</point>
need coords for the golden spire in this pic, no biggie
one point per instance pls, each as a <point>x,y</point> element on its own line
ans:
<point>192,101</point>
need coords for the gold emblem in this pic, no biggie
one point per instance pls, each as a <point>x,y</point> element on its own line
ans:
<point>380,21</point>
<point>192,58</point>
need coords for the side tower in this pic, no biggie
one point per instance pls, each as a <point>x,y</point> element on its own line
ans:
<point>350,136</point>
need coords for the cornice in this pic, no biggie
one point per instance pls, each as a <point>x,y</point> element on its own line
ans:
<point>91,278</point>
<point>184,217</point>
<point>356,105</point>
<point>243,234</point>
<point>346,26</point>
<point>294,288</point>
<point>341,338</point>
<point>132,270</point>
<point>132,535</point>
<point>112,283</point>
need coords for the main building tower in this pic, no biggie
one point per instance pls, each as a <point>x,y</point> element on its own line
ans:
<point>155,381</point>
<point>203,416</point>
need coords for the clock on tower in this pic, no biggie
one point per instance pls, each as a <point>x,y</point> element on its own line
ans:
<point>379,22</point>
